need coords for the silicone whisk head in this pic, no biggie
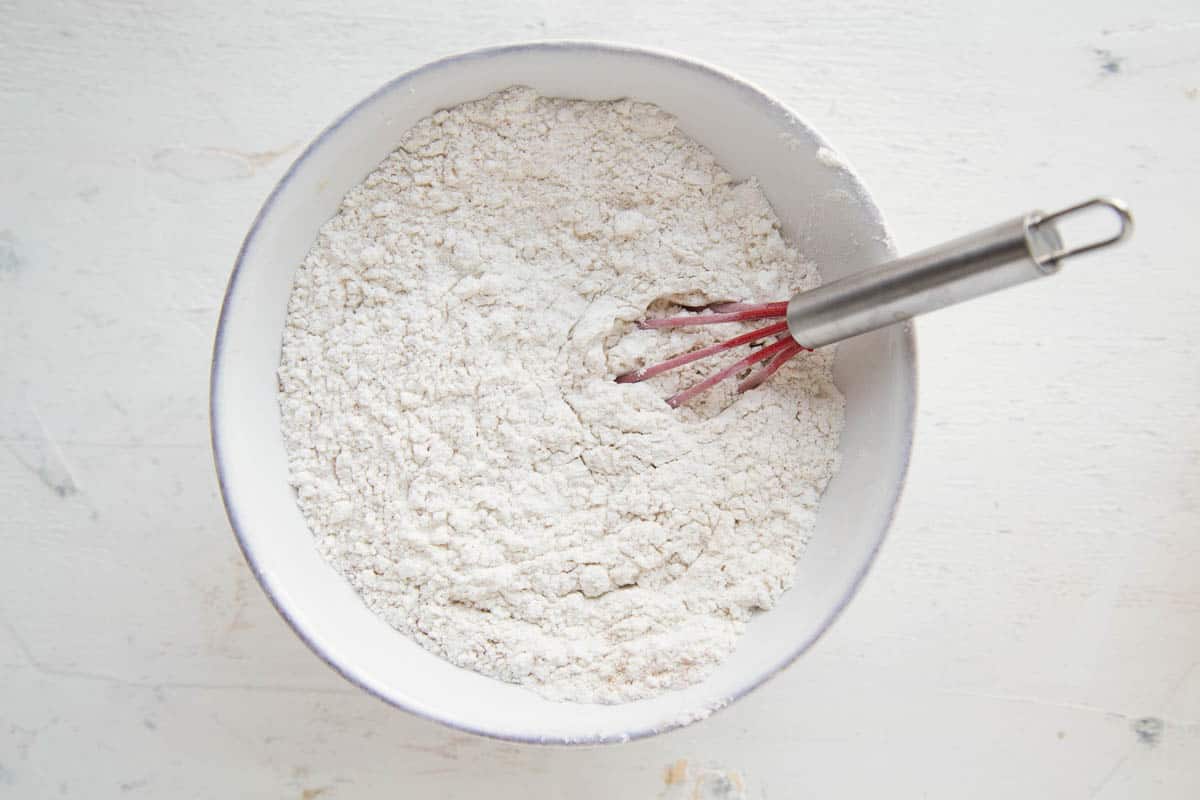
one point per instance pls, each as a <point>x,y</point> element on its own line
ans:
<point>775,355</point>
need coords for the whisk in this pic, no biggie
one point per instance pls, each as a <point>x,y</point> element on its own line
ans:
<point>1004,255</point>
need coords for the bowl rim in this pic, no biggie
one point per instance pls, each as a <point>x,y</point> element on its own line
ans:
<point>908,344</point>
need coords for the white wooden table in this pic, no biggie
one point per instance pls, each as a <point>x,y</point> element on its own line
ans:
<point>1032,627</point>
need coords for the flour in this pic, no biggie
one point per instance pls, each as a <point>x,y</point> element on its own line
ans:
<point>456,440</point>
<point>829,158</point>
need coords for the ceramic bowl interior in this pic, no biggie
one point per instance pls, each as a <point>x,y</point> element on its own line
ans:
<point>824,210</point>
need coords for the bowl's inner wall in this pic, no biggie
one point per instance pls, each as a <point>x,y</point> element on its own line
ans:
<point>823,209</point>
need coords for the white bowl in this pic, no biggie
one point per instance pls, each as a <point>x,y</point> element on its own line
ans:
<point>824,210</point>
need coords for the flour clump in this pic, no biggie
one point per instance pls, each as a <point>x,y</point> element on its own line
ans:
<point>455,437</point>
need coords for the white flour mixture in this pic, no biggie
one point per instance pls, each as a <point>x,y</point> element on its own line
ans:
<point>457,442</point>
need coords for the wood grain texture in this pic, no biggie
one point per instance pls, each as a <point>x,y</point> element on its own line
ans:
<point>1032,627</point>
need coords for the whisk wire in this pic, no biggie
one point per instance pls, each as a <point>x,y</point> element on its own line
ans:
<point>678,399</point>
<point>723,312</point>
<point>687,358</point>
<point>776,354</point>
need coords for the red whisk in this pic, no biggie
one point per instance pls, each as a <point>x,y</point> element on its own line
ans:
<point>1004,255</point>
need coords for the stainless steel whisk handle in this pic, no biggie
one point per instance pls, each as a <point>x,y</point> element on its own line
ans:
<point>1004,255</point>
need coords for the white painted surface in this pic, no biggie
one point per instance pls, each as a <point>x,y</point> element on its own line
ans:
<point>1039,597</point>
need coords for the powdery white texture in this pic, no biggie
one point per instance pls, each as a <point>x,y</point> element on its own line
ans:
<point>456,440</point>
<point>829,158</point>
